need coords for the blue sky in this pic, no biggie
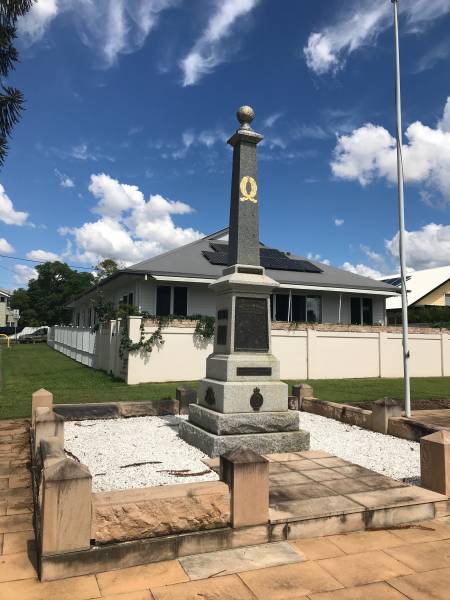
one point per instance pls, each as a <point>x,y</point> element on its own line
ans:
<point>122,151</point>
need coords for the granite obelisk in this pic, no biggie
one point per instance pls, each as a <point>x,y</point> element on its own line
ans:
<point>242,401</point>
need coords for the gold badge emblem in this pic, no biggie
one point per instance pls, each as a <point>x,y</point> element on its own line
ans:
<point>248,189</point>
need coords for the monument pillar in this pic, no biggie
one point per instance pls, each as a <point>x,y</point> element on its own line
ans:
<point>242,401</point>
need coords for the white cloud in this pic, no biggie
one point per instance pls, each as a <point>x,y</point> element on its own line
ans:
<point>425,248</point>
<point>361,269</point>
<point>444,123</point>
<point>369,152</point>
<point>190,138</point>
<point>318,258</point>
<point>67,182</point>
<point>114,197</point>
<point>376,258</point>
<point>360,25</point>
<point>5,246</point>
<point>23,274</point>
<point>42,255</point>
<point>130,228</point>
<point>339,222</point>
<point>34,24</point>
<point>313,131</point>
<point>64,180</point>
<point>437,53</point>
<point>8,214</point>
<point>208,51</point>
<point>274,142</point>
<point>110,27</point>
<point>272,119</point>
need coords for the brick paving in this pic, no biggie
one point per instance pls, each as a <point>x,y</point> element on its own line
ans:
<point>405,562</point>
<point>439,417</point>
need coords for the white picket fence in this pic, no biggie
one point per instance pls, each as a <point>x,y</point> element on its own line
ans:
<point>97,349</point>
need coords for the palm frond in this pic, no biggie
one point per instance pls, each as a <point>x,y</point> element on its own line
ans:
<point>3,150</point>
<point>8,54</point>
<point>10,10</point>
<point>11,105</point>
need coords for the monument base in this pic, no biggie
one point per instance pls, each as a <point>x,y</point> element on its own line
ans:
<point>263,443</point>
<point>243,423</point>
<point>236,396</point>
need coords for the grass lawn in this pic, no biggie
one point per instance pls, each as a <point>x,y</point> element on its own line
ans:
<point>27,368</point>
<point>357,391</point>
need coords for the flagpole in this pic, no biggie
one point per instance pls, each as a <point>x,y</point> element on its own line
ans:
<point>401,218</point>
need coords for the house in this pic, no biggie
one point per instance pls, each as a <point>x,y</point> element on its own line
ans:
<point>8,317</point>
<point>428,287</point>
<point>176,283</point>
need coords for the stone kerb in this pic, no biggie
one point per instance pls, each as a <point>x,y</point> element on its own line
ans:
<point>40,398</point>
<point>247,474</point>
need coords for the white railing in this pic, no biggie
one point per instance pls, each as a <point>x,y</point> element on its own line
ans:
<point>78,343</point>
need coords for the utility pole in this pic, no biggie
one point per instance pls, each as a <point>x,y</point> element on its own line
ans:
<point>401,219</point>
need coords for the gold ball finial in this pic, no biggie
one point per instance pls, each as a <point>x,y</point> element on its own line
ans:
<point>245,115</point>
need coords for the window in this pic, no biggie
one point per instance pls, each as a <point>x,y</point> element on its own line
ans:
<point>361,311</point>
<point>130,298</point>
<point>447,299</point>
<point>163,300</point>
<point>298,308</point>
<point>2,298</point>
<point>355,311</point>
<point>171,301</point>
<point>282,307</point>
<point>313,309</point>
<point>180,301</point>
<point>295,307</point>
<point>367,312</point>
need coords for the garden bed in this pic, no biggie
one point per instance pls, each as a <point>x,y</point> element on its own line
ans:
<point>135,453</point>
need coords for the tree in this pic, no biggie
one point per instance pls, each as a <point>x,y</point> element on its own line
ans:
<point>11,99</point>
<point>105,268</point>
<point>45,300</point>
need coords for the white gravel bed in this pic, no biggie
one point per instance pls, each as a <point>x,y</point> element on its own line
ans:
<point>106,446</point>
<point>385,454</point>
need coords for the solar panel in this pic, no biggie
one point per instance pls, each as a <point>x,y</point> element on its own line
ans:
<point>216,258</point>
<point>397,281</point>
<point>270,259</point>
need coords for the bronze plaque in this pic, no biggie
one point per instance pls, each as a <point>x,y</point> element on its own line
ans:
<point>253,371</point>
<point>251,328</point>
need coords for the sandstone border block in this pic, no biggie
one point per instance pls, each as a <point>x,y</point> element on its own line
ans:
<point>435,462</point>
<point>40,398</point>
<point>247,474</point>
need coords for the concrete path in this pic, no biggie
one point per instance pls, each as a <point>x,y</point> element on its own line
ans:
<point>405,562</point>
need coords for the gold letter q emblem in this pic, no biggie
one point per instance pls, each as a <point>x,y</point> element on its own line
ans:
<point>248,189</point>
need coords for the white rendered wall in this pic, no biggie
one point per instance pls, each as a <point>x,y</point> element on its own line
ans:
<point>322,352</point>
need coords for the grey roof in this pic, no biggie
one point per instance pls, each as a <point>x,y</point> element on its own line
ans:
<point>188,261</point>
